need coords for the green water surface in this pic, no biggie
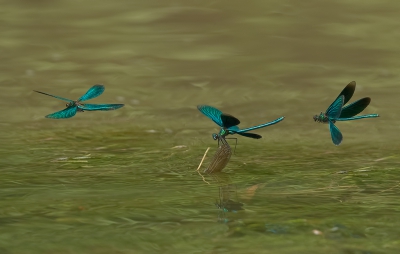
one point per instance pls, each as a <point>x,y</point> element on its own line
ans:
<point>125,181</point>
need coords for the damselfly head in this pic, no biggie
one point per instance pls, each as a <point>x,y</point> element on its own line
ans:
<point>315,117</point>
<point>215,136</point>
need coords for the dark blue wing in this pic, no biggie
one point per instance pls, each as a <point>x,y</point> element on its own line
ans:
<point>335,108</point>
<point>58,97</point>
<point>229,121</point>
<point>93,92</point>
<point>355,108</point>
<point>92,107</point>
<point>66,113</point>
<point>335,134</point>
<point>258,126</point>
<point>236,130</point>
<point>348,91</point>
<point>212,113</point>
<point>249,135</point>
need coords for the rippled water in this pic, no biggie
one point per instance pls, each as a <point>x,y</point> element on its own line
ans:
<point>125,181</point>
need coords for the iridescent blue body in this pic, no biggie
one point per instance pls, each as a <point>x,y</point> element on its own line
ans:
<point>77,106</point>
<point>338,112</point>
<point>229,123</point>
<point>323,118</point>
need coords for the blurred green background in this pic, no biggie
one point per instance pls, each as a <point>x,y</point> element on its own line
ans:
<point>125,181</point>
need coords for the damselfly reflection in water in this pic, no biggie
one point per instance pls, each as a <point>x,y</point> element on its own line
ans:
<point>77,106</point>
<point>338,112</point>
<point>228,199</point>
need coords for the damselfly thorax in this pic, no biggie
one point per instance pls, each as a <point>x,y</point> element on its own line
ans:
<point>223,132</point>
<point>77,104</point>
<point>322,118</point>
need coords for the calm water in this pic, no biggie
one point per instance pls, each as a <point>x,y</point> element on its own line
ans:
<point>126,182</point>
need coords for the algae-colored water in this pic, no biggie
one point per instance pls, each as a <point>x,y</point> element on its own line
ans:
<point>125,181</point>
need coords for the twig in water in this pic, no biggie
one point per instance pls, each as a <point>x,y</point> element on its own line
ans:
<point>204,156</point>
<point>201,162</point>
